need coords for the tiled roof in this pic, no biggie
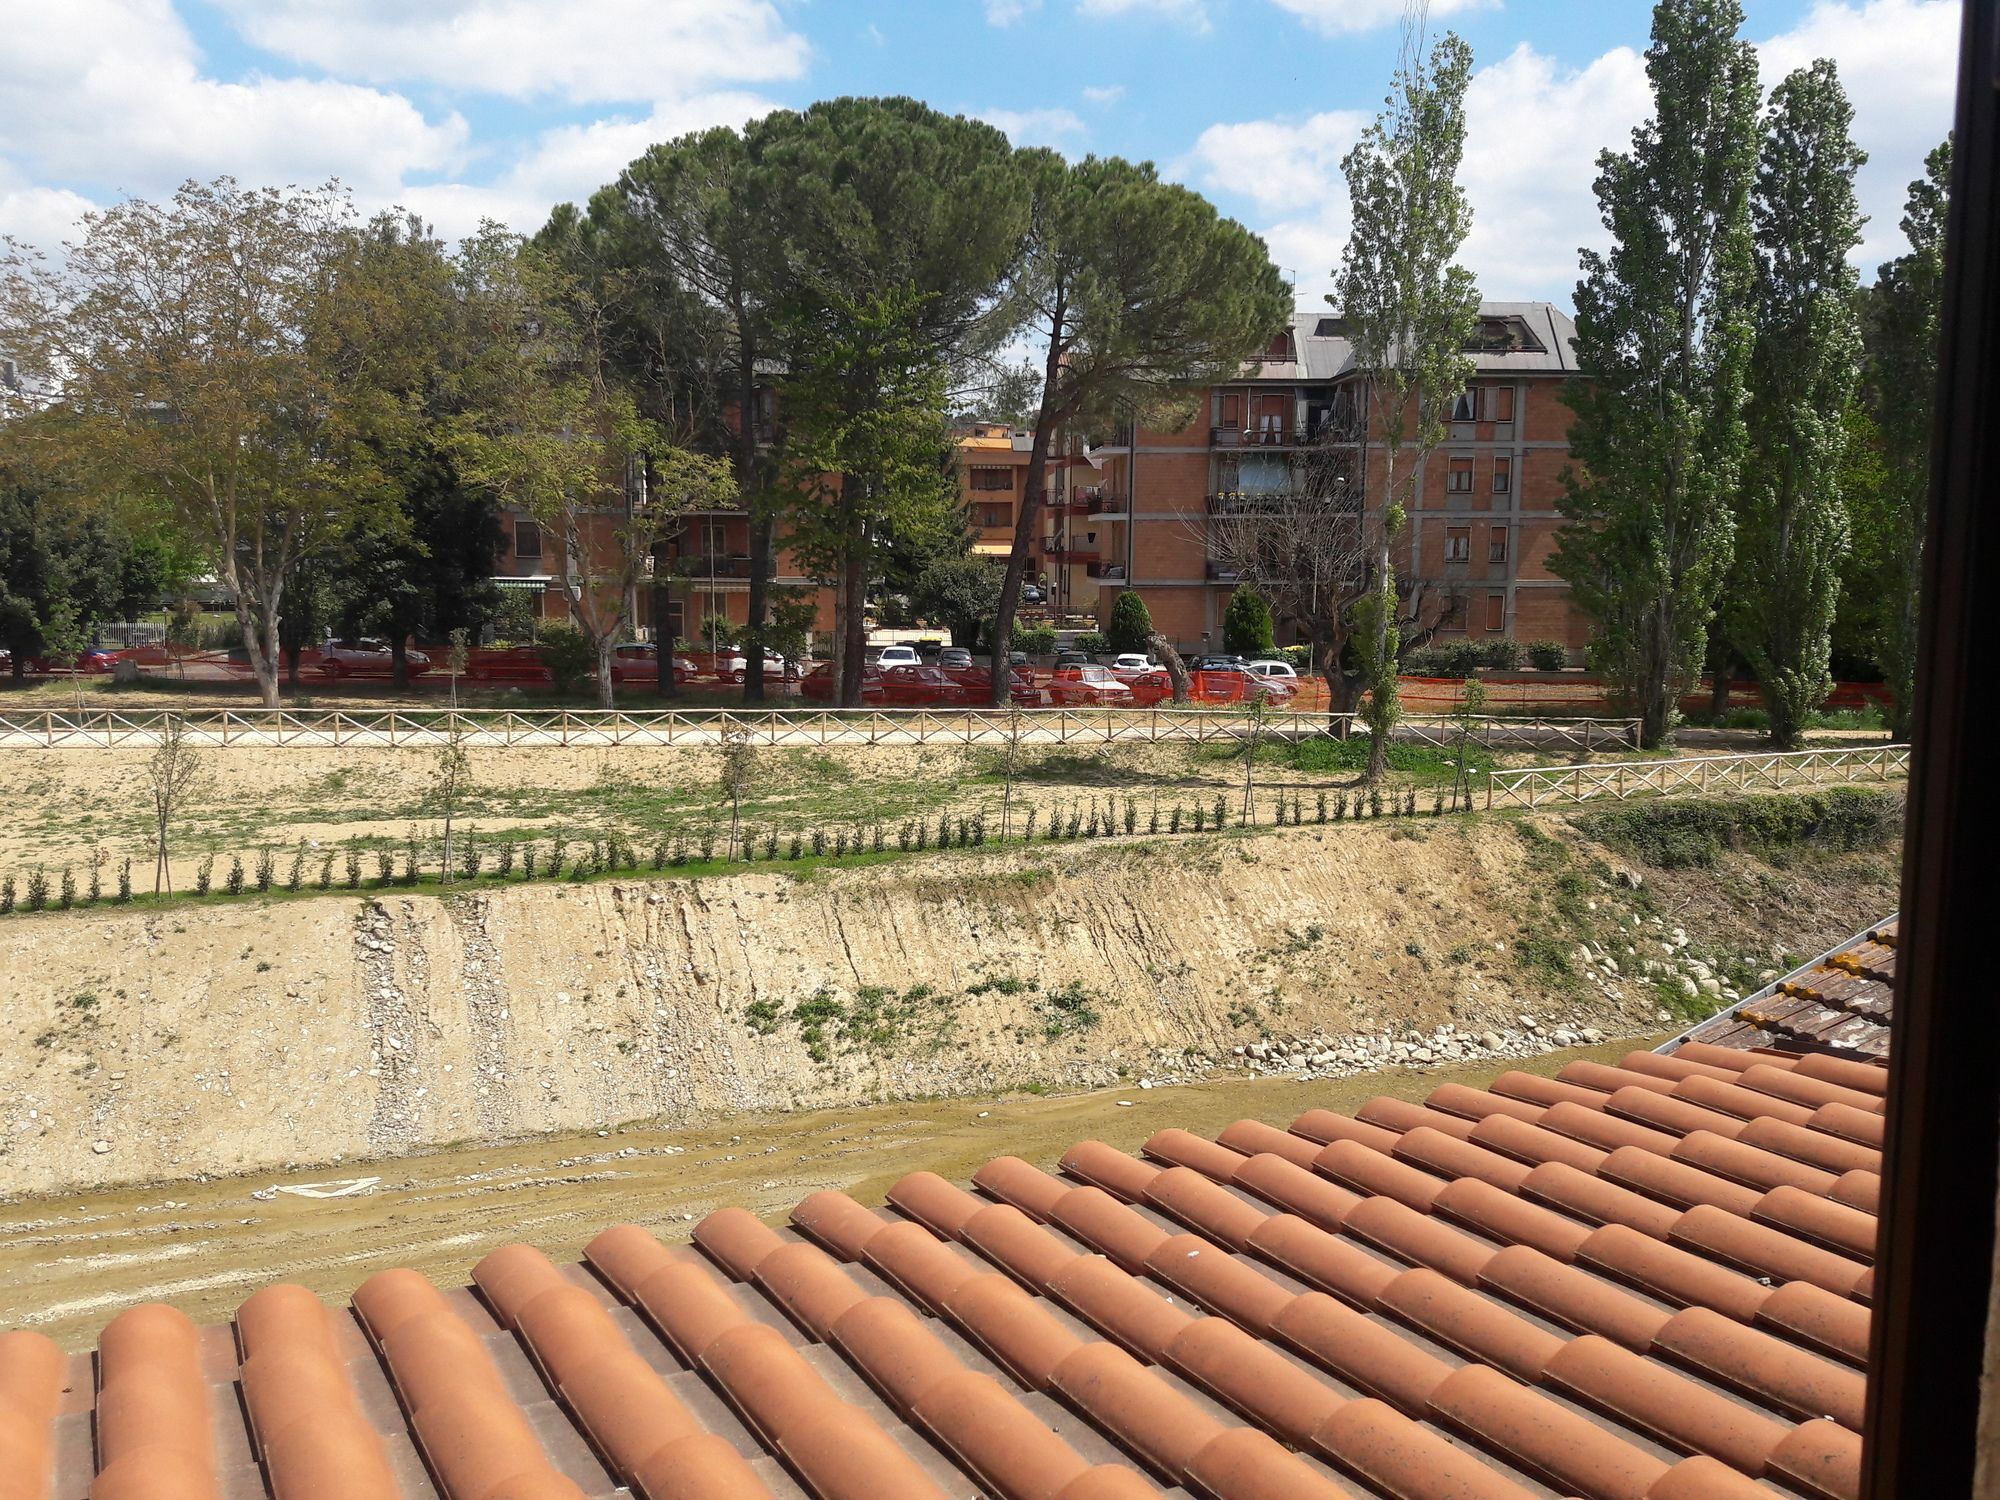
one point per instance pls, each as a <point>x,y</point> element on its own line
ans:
<point>1641,1282</point>
<point>1842,1002</point>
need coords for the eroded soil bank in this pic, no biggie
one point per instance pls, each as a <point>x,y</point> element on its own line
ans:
<point>251,1036</point>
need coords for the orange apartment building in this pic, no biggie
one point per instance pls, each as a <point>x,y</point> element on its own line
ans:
<point>1482,524</point>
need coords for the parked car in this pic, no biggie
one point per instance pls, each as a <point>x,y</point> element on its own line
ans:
<point>736,667</point>
<point>1150,689</point>
<point>954,656</point>
<point>821,686</point>
<point>909,686</point>
<point>978,685</point>
<point>1030,594</point>
<point>639,661</point>
<point>366,657</point>
<point>900,654</point>
<point>1074,659</point>
<point>1088,686</point>
<point>1215,664</point>
<point>1271,669</point>
<point>1128,664</point>
<point>91,661</point>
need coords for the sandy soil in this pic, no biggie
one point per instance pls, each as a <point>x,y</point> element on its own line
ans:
<point>68,1264</point>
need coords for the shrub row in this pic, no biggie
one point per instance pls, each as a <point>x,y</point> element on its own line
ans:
<point>1672,835</point>
<point>420,859</point>
<point>1463,658</point>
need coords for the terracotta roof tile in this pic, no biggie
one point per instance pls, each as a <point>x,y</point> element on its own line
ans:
<point>1645,1281</point>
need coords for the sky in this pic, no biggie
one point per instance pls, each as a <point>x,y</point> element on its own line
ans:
<point>464,110</point>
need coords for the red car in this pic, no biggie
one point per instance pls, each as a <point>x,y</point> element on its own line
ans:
<point>1088,687</point>
<point>1150,689</point>
<point>821,686</point>
<point>366,658</point>
<point>978,685</point>
<point>923,687</point>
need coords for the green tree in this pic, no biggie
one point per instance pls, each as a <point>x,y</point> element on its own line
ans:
<point>256,418</point>
<point>689,209</point>
<point>1133,290</point>
<point>900,226</point>
<point>61,570</point>
<point>1863,610</point>
<point>958,593</point>
<point>864,472</point>
<point>1903,332</point>
<point>1791,525</point>
<point>552,428</point>
<point>1131,627</point>
<point>1410,313</point>
<point>1246,624</point>
<point>1663,342</point>
<point>429,574</point>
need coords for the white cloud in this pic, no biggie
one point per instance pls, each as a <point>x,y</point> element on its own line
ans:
<point>579,49</point>
<point>1898,61</point>
<point>1035,127</point>
<point>1535,128</point>
<point>1007,12</point>
<point>1109,93</point>
<point>1334,17</point>
<point>1192,14</point>
<point>37,216</point>
<point>110,92</point>
<point>569,163</point>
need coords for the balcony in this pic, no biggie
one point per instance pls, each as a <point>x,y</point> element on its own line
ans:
<point>1272,434</point>
<point>719,565</point>
<point>1103,502</point>
<point>1058,552</point>
<point>1246,502</point>
<point>1223,572</point>
<point>1112,572</point>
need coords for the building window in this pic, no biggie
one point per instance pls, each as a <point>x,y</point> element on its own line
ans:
<point>1457,544</point>
<point>992,479</point>
<point>1503,475</point>
<point>1496,545</point>
<point>1465,405</point>
<point>1458,480</point>
<point>992,517</point>
<point>527,539</point>
<point>1496,613</point>
<point>1500,403</point>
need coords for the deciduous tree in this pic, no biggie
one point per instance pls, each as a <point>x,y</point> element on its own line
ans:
<point>1410,312</point>
<point>1902,376</point>
<point>1663,344</point>
<point>1791,526</point>
<point>1133,291</point>
<point>220,353</point>
<point>958,593</point>
<point>552,428</point>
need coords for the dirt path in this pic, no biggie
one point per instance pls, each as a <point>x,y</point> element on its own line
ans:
<point>68,1264</point>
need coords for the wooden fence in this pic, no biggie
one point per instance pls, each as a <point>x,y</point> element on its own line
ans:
<point>582,728</point>
<point>1618,780</point>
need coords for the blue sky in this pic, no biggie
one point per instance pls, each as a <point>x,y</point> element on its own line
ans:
<point>465,109</point>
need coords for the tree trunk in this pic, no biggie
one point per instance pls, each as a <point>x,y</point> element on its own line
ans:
<point>260,644</point>
<point>1046,419</point>
<point>758,609</point>
<point>607,696</point>
<point>399,660</point>
<point>1177,673</point>
<point>853,621</point>
<point>663,641</point>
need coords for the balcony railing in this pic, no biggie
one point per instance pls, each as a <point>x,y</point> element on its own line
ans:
<point>1223,572</point>
<point>719,565</point>
<point>1114,571</point>
<point>1259,435</point>
<point>1063,553</point>
<point>1108,503</point>
<point>1245,502</point>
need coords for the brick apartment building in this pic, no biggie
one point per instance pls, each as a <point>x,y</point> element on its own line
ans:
<point>1483,518</point>
<point>1139,511</point>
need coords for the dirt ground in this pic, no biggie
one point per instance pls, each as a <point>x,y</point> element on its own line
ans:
<point>67,1264</point>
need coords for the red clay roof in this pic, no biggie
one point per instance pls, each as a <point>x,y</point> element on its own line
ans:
<point>1843,1003</point>
<point>1643,1282</point>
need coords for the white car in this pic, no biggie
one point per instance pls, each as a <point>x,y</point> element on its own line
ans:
<point>901,654</point>
<point>1272,671</point>
<point>1128,662</point>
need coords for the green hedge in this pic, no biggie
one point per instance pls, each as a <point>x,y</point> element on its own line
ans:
<point>1692,834</point>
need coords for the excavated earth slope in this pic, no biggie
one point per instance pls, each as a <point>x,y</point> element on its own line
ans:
<point>230,1037</point>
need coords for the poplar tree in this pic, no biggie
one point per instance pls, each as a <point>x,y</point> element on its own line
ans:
<point>1133,291</point>
<point>1791,528</point>
<point>1902,379</point>
<point>1410,313</point>
<point>1662,347</point>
